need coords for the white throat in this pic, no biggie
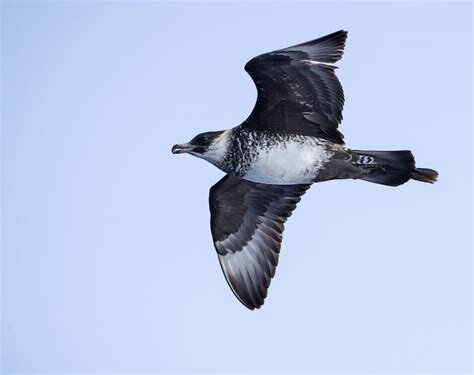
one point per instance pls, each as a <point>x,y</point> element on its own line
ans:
<point>216,153</point>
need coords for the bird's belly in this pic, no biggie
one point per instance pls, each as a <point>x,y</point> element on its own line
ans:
<point>291,162</point>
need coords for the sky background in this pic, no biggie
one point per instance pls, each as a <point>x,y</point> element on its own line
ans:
<point>107,258</point>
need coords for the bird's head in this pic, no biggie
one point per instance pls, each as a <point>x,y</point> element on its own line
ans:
<point>211,146</point>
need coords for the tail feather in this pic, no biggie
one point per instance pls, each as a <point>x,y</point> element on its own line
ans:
<point>425,175</point>
<point>391,168</point>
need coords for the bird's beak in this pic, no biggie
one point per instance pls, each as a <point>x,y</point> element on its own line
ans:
<point>182,148</point>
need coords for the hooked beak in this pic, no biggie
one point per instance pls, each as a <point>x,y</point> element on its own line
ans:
<point>182,148</point>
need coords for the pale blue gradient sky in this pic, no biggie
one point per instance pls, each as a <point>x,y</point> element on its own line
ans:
<point>108,263</point>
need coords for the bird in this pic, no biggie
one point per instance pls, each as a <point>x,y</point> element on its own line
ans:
<point>289,141</point>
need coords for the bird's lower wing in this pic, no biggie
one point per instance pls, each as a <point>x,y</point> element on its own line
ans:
<point>247,222</point>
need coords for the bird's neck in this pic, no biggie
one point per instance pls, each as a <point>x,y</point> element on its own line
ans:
<point>217,152</point>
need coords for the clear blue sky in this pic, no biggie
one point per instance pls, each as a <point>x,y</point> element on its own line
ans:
<point>108,263</point>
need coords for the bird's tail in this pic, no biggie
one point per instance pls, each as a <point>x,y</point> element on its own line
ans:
<point>391,168</point>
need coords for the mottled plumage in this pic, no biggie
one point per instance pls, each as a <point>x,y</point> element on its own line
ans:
<point>289,141</point>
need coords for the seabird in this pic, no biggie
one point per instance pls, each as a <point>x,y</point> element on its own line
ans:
<point>290,141</point>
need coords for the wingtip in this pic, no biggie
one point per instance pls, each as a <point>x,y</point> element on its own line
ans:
<point>341,33</point>
<point>326,49</point>
<point>250,307</point>
<point>248,303</point>
<point>337,39</point>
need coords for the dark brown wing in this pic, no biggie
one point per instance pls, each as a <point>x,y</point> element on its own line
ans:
<point>298,92</point>
<point>247,222</point>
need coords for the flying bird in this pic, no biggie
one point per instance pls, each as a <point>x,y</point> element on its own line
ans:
<point>290,141</point>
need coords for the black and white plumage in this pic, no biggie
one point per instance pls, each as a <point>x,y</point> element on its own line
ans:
<point>298,91</point>
<point>289,141</point>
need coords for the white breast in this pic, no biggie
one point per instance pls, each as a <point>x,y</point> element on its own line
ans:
<point>293,161</point>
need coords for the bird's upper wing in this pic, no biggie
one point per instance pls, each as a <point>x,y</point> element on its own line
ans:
<point>247,222</point>
<point>298,92</point>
